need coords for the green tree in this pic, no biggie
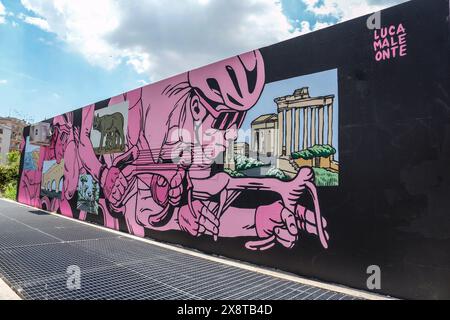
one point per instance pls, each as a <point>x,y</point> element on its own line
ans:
<point>316,151</point>
<point>9,175</point>
<point>14,159</point>
<point>94,190</point>
<point>83,180</point>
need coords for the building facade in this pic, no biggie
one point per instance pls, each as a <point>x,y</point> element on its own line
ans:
<point>5,140</point>
<point>53,178</point>
<point>16,126</point>
<point>241,148</point>
<point>316,127</point>
<point>264,135</point>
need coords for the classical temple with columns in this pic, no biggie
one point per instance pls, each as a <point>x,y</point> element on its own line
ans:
<point>316,127</point>
<point>290,107</point>
<point>301,122</point>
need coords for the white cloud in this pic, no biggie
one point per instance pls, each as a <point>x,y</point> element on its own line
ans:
<point>83,24</point>
<point>162,38</point>
<point>2,13</point>
<point>3,81</point>
<point>321,25</point>
<point>142,82</point>
<point>347,9</point>
<point>305,27</point>
<point>45,41</point>
<point>35,21</point>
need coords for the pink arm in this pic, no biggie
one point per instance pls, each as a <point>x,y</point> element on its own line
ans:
<point>238,222</point>
<point>86,150</point>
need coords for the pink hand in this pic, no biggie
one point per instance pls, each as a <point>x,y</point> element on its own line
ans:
<point>274,222</point>
<point>199,221</point>
<point>164,193</point>
<point>160,190</point>
<point>114,185</point>
<point>176,187</point>
<point>307,221</point>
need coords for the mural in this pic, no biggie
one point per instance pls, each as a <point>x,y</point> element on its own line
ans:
<point>289,129</point>
<point>63,151</point>
<point>88,194</point>
<point>109,129</point>
<point>152,157</point>
<point>52,179</point>
<point>31,158</point>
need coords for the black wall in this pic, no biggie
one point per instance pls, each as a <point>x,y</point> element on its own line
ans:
<point>392,207</point>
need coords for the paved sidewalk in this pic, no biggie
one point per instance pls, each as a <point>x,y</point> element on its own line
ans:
<point>6,293</point>
<point>36,249</point>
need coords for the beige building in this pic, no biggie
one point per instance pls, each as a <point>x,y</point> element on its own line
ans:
<point>16,126</point>
<point>228,156</point>
<point>5,140</point>
<point>264,135</point>
<point>52,180</point>
<point>317,116</point>
<point>315,110</point>
<point>234,149</point>
<point>241,148</point>
<point>301,122</point>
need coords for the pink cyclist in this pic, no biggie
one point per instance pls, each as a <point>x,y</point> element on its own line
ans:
<point>165,180</point>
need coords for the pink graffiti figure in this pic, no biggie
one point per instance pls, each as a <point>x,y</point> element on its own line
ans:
<point>63,147</point>
<point>177,129</point>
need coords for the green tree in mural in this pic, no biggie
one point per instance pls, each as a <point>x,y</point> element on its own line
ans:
<point>83,180</point>
<point>94,191</point>
<point>316,151</point>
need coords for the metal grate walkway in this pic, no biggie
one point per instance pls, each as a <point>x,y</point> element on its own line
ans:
<point>36,248</point>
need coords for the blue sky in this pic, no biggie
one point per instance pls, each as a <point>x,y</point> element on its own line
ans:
<point>56,56</point>
<point>47,165</point>
<point>30,147</point>
<point>45,78</point>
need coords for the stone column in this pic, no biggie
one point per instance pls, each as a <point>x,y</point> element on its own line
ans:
<point>280,133</point>
<point>321,124</point>
<point>229,156</point>
<point>297,129</point>
<point>288,131</point>
<point>330,125</point>
<point>253,141</point>
<point>273,149</point>
<point>305,128</point>
<point>260,141</point>
<point>313,126</point>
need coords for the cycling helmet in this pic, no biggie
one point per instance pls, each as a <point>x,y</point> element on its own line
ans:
<point>229,88</point>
